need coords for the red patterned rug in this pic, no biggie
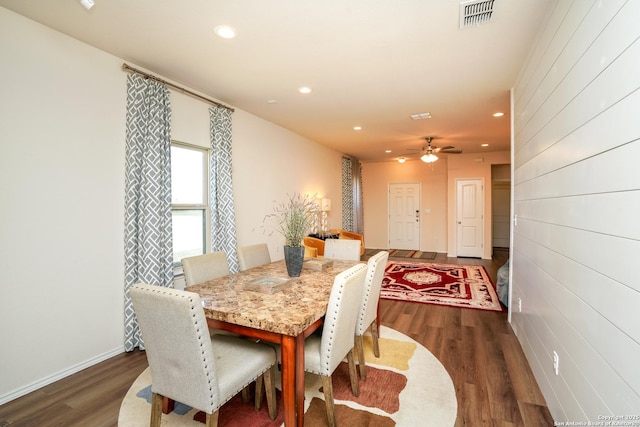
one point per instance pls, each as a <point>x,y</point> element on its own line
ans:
<point>465,286</point>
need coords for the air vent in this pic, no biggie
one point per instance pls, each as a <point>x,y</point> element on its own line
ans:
<point>475,12</point>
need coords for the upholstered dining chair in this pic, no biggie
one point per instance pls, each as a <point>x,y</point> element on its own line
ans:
<point>189,366</point>
<point>200,268</point>
<point>368,313</point>
<point>253,256</point>
<point>342,249</point>
<point>323,354</point>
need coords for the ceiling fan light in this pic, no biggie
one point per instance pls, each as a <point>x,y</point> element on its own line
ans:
<point>429,158</point>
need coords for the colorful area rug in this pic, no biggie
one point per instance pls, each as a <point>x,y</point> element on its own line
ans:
<point>400,253</point>
<point>466,286</point>
<point>406,386</point>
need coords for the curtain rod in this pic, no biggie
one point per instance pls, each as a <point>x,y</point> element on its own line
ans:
<point>181,89</point>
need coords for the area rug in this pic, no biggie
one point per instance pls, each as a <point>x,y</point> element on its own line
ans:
<point>406,386</point>
<point>400,253</point>
<point>466,286</point>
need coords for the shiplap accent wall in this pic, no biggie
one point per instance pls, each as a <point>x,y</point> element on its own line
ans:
<point>576,242</point>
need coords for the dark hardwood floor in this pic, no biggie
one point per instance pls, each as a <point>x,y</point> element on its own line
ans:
<point>492,378</point>
<point>493,381</point>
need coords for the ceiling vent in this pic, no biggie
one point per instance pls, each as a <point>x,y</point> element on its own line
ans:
<point>475,12</point>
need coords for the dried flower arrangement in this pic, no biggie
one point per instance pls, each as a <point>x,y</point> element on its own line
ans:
<point>293,218</point>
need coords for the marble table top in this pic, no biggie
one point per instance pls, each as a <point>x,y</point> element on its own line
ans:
<point>289,311</point>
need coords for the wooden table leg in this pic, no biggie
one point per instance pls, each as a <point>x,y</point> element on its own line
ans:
<point>289,379</point>
<point>300,380</point>
<point>167,405</point>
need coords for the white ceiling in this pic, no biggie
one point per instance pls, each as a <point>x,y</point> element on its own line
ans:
<point>370,63</point>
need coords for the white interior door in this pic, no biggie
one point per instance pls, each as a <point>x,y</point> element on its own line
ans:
<point>469,218</point>
<point>404,216</point>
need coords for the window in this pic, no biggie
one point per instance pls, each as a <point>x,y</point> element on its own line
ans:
<point>189,200</point>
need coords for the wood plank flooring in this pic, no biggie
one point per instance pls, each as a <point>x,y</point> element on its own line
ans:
<point>494,384</point>
<point>493,381</point>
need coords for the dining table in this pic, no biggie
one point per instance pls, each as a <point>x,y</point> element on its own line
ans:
<point>264,303</point>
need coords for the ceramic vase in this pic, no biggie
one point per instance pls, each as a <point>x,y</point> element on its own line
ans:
<point>293,258</point>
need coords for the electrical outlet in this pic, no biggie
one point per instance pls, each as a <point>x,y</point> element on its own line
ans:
<point>556,363</point>
<point>520,305</point>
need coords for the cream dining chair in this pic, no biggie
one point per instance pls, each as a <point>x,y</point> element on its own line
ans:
<point>342,249</point>
<point>368,313</point>
<point>200,268</point>
<point>253,256</point>
<point>189,366</point>
<point>323,354</point>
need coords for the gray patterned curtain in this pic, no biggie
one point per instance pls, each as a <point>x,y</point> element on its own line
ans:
<point>223,219</point>
<point>352,212</point>
<point>148,238</point>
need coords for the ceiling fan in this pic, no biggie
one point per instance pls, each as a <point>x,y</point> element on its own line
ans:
<point>428,152</point>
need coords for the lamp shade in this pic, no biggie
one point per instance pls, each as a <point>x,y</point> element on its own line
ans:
<point>325,205</point>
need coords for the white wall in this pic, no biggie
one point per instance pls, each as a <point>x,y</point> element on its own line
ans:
<point>61,232</point>
<point>577,198</point>
<point>62,148</point>
<point>270,162</point>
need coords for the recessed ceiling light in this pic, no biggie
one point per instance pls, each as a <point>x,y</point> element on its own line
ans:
<point>87,4</point>
<point>498,114</point>
<point>357,128</point>
<point>484,145</point>
<point>225,31</point>
<point>387,151</point>
<point>272,101</point>
<point>402,159</point>
<point>304,89</point>
<point>421,116</point>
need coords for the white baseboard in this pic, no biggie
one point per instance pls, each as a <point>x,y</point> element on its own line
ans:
<point>59,375</point>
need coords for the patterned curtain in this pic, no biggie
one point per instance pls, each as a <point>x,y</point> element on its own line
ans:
<point>352,212</point>
<point>148,239</point>
<point>223,219</point>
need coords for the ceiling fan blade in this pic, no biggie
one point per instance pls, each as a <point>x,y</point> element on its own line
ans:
<point>451,150</point>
